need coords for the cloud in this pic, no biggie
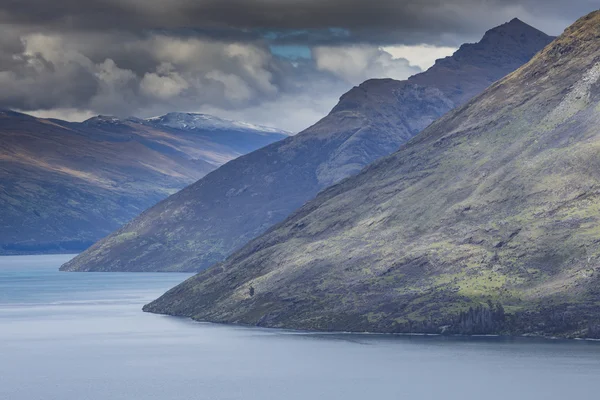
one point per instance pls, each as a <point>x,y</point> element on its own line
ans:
<point>234,88</point>
<point>64,71</point>
<point>358,63</point>
<point>66,114</point>
<point>276,62</point>
<point>165,83</point>
<point>422,56</point>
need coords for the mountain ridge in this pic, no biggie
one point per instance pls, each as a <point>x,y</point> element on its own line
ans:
<point>485,223</point>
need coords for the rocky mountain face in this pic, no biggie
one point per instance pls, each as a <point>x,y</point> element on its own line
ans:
<point>207,221</point>
<point>65,185</point>
<point>486,222</point>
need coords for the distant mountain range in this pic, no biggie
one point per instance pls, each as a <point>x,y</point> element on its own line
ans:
<point>208,220</point>
<point>487,222</point>
<point>65,185</point>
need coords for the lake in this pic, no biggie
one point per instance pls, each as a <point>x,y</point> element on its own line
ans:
<point>82,336</point>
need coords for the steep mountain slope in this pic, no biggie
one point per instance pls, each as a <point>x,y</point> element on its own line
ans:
<point>65,185</point>
<point>486,222</point>
<point>208,220</point>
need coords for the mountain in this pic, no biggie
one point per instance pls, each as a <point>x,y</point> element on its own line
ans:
<point>207,221</point>
<point>65,185</point>
<point>486,222</point>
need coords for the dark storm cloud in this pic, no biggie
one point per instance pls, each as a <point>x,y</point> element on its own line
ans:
<point>408,21</point>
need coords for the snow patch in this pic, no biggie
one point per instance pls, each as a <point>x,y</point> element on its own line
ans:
<point>192,121</point>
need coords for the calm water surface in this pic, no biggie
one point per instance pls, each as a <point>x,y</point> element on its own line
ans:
<point>67,336</point>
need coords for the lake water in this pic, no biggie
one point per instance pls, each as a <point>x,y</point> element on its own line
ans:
<point>69,336</point>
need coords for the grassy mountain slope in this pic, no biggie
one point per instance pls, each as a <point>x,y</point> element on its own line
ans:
<point>486,222</point>
<point>65,185</point>
<point>207,221</point>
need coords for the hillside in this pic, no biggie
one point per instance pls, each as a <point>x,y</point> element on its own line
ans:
<point>65,185</point>
<point>207,221</point>
<point>486,222</point>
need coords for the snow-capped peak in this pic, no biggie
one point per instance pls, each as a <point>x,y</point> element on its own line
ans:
<point>103,119</point>
<point>191,121</point>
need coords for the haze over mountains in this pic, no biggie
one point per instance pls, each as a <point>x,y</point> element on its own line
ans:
<point>208,220</point>
<point>486,222</point>
<point>65,185</point>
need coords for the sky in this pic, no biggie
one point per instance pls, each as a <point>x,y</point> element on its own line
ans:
<point>281,63</point>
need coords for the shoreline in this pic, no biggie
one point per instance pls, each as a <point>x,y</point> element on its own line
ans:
<point>385,334</point>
